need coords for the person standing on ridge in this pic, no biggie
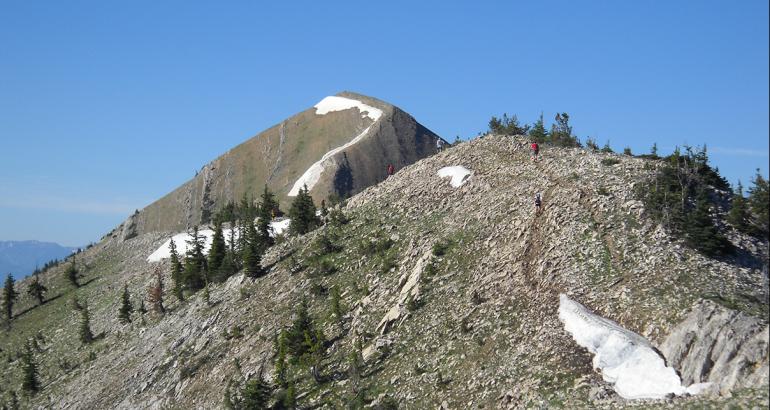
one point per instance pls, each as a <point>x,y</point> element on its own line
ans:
<point>439,145</point>
<point>534,150</point>
<point>391,169</point>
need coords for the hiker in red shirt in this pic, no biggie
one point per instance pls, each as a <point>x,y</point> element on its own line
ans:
<point>534,149</point>
<point>391,169</point>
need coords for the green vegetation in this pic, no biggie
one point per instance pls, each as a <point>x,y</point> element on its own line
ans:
<point>37,290</point>
<point>303,213</point>
<point>73,275</point>
<point>560,134</point>
<point>86,335</point>
<point>31,379</point>
<point>507,126</point>
<point>679,198</point>
<point>9,297</point>
<point>177,272</point>
<point>126,307</point>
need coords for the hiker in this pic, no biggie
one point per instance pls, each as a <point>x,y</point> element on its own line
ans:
<point>439,145</point>
<point>538,203</point>
<point>391,169</point>
<point>534,150</point>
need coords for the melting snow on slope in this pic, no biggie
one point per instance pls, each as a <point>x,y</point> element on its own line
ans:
<point>180,240</point>
<point>334,103</point>
<point>458,173</point>
<point>625,358</point>
<point>329,104</point>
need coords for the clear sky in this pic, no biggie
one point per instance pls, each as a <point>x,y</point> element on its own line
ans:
<point>107,106</point>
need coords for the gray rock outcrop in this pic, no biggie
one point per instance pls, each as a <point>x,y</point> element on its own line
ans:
<point>719,345</point>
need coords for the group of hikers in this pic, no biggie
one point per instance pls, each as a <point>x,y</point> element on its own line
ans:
<point>534,151</point>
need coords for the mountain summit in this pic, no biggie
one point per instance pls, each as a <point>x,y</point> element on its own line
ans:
<point>338,147</point>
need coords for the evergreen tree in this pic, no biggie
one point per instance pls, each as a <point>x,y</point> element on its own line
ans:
<point>31,375</point>
<point>561,132</point>
<point>538,132</point>
<point>759,201</point>
<point>195,262</point>
<point>627,151</point>
<point>281,378</point>
<point>9,297</point>
<point>268,208</point>
<point>126,308</point>
<point>252,251</point>
<point>86,336</point>
<point>217,251</point>
<point>606,148</point>
<point>255,394</point>
<point>73,275</point>
<point>303,339</point>
<point>177,272</point>
<point>230,262</point>
<point>155,294</point>
<point>654,150</point>
<point>303,213</point>
<point>700,231</point>
<point>37,290</point>
<point>738,216</point>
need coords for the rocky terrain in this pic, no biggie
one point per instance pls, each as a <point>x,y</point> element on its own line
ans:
<point>280,155</point>
<point>450,293</point>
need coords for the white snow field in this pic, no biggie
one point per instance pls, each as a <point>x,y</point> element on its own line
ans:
<point>334,103</point>
<point>626,359</point>
<point>329,104</point>
<point>180,240</point>
<point>458,173</point>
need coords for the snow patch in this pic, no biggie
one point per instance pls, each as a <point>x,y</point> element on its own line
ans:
<point>277,227</point>
<point>327,105</point>
<point>458,173</point>
<point>626,359</point>
<point>313,174</point>
<point>334,103</point>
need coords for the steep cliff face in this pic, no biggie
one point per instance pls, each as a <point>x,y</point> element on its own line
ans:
<point>451,292</point>
<point>342,145</point>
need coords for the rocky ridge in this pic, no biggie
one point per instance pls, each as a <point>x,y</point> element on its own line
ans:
<point>457,309</point>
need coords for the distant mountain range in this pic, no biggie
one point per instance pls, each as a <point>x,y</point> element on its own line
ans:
<point>21,257</point>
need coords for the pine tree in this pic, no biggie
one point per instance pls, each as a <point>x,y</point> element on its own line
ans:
<point>176,272</point>
<point>217,251</point>
<point>73,275</point>
<point>155,294</point>
<point>194,262</point>
<point>126,308</point>
<point>303,340</point>
<point>31,375</point>
<point>606,148</point>
<point>700,231</point>
<point>86,336</point>
<point>256,394</point>
<point>538,132</point>
<point>281,378</point>
<point>9,297</point>
<point>37,290</point>
<point>759,203</point>
<point>252,251</point>
<point>654,150</point>
<point>738,216</point>
<point>303,213</point>
<point>268,207</point>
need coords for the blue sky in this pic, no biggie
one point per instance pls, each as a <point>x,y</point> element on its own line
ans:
<point>107,106</point>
